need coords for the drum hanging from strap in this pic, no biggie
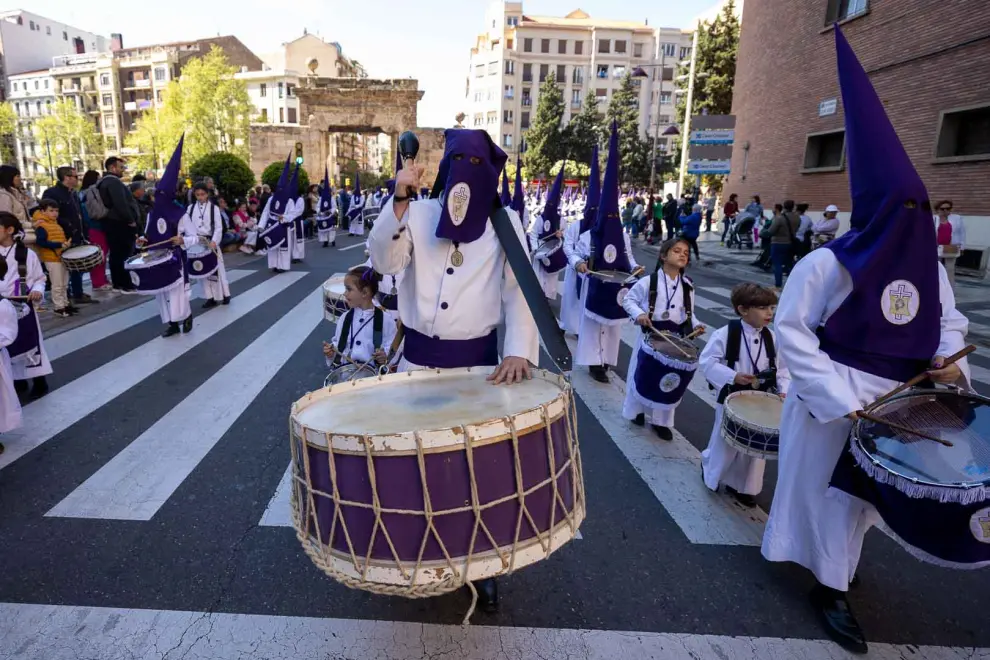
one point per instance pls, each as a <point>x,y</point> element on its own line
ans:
<point>664,368</point>
<point>416,483</point>
<point>154,271</point>
<point>326,221</point>
<point>82,258</point>
<point>751,423</point>
<point>334,305</point>
<point>275,234</point>
<point>935,500</point>
<point>551,255</point>
<point>348,372</point>
<point>606,291</point>
<point>26,347</point>
<point>201,261</point>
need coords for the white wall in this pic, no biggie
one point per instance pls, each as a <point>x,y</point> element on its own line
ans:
<point>26,50</point>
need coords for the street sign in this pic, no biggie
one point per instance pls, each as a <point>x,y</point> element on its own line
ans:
<point>708,166</point>
<point>827,107</point>
<point>713,136</point>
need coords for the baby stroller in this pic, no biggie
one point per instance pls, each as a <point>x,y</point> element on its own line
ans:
<point>741,232</point>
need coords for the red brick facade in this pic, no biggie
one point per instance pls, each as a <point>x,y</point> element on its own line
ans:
<point>923,57</point>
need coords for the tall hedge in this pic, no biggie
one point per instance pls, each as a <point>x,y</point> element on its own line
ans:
<point>231,175</point>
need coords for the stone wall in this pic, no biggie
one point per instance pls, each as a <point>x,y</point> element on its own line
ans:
<point>430,152</point>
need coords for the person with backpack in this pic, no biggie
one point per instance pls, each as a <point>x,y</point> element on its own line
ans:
<point>121,221</point>
<point>208,221</point>
<point>89,198</point>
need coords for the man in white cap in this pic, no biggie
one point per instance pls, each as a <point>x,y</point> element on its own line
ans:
<point>824,230</point>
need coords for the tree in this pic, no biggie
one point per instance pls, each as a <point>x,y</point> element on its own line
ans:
<point>544,143</point>
<point>155,135</point>
<point>585,131</point>
<point>634,151</point>
<point>8,126</point>
<point>69,136</point>
<point>718,45</point>
<point>271,174</point>
<point>232,176</point>
<point>573,169</point>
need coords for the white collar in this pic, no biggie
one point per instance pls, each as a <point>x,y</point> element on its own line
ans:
<point>750,330</point>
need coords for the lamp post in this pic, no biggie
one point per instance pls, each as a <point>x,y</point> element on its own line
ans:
<point>689,102</point>
<point>640,72</point>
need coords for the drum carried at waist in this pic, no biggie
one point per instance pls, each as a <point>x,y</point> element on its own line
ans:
<point>82,258</point>
<point>275,233</point>
<point>934,499</point>
<point>334,305</point>
<point>664,368</point>
<point>751,423</point>
<point>550,254</point>
<point>416,483</point>
<point>349,371</point>
<point>155,270</point>
<point>201,261</point>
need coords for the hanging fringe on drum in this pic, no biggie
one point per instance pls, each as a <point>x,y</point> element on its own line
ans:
<point>958,495</point>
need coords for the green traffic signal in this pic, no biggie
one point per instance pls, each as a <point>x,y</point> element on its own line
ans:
<point>299,160</point>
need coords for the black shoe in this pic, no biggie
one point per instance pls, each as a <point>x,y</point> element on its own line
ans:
<point>296,261</point>
<point>742,498</point>
<point>210,303</point>
<point>487,595</point>
<point>276,270</point>
<point>171,329</point>
<point>836,615</point>
<point>187,324</point>
<point>21,386</point>
<point>333,243</point>
<point>854,583</point>
<point>640,420</point>
<point>599,373</point>
<point>226,301</point>
<point>326,244</point>
<point>39,388</point>
<point>662,432</point>
<point>86,299</point>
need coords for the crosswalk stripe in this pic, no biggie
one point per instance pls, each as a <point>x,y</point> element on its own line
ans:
<point>60,409</point>
<point>72,340</point>
<point>62,632</point>
<point>717,290</point>
<point>139,480</point>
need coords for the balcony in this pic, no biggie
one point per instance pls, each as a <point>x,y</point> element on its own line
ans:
<point>575,104</point>
<point>527,101</point>
<point>527,79</point>
<point>143,83</point>
<point>70,89</point>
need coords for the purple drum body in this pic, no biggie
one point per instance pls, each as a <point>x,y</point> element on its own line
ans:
<point>274,235</point>
<point>201,261</point>
<point>155,271</point>
<point>449,480</point>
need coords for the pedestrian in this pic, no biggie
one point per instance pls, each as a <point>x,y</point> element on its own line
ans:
<point>627,219</point>
<point>824,230</point>
<point>949,226</point>
<point>70,219</point>
<point>729,212</point>
<point>94,229</point>
<point>670,216</point>
<point>691,228</point>
<point>50,240</point>
<point>803,245</point>
<point>639,216</point>
<point>709,209</point>
<point>15,201</point>
<point>121,222</point>
<point>783,235</point>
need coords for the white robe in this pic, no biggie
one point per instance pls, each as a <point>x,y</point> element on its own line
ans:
<point>210,228</point>
<point>329,235</point>
<point>570,297</point>
<point>355,227</point>
<point>299,242</point>
<point>810,524</point>
<point>35,281</point>
<point>388,283</point>
<point>173,302</point>
<point>10,405</point>
<point>598,343</point>
<point>280,257</point>
<point>548,281</point>
<point>437,298</point>
<point>360,345</point>
<point>721,462</point>
<point>637,302</point>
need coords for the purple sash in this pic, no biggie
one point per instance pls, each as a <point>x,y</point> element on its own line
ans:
<point>275,234</point>
<point>27,344</point>
<point>439,353</point>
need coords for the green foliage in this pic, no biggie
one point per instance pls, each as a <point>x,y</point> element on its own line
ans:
<point>586,130</point>
<point>634,151</point>
<point>70,135</point>
<point>718,45</point>
<point>573,170</point>
<point>544,140</point>
<point>274,171</point>
<point>155,135</point>
<point>8,126</point>
<point>232,176</point>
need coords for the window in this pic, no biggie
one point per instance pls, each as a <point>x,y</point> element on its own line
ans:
<point>264,116</point>
<point>527,73</point>
<point>290,90</point>
<point>104,80</point>
<point>637,50</point>
<point>507,140</point>
<point>159,74</point>
<point>825,152</point>
<point>665,98</point>
<point>15,86</point>
<point>281,90</point>
<point>48,30</point>
<point>510,91</point>
<point>619,71</point>
<point>576,97</point>
<point>479,70</point>
<point>491,94</point>
<point>964,134</point>
<point>527,45</point>
<point>524,120</point>
<point>65,36</point>
<point>507,117</point>
<point>602,71</point>
<point>604,46</point>
<point>544,45</point>
<point>562,46</point>
<point>108,121</point>
<point>479,120</point>
<point>620,45</point>
<point>601,93</point>
<point>158,95</point>
<point>48,107</point>
<point>492,118</point>
<point>264,90</point>
<point>36,83</point>
<point>561,73</point>
<point>577,75</point>
<point>32,25</point>
<point>512,21</point>
<point>492,68</point>
<point>685,52</point>
<point>281,115</point>
<point>664,120</point>
<point>292,115</point>
<point>840,10</point>
<point>578,47</point>
<point>17,108</point>
<point>509,43</point>
<point>510,67</point>
<point>544,71</point>
<point>107,100</point>
<point>112,142</point>
<point>479,96</point>
<point>38,107</point>
<point>527,100</point>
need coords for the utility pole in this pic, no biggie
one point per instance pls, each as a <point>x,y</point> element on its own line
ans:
<point>686,139</point>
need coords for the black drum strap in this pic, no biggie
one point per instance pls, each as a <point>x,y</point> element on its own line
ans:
<point>733,345</point>
<point>653,294</point>
<point>688,324</point>
<point>345,330</point>
<point>732,342</point>
<point>768,345</point>
<point>376,328</point>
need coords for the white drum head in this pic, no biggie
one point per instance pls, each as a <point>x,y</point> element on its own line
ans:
<point>334,287</point>
<point>198,250</point>
<point>81,252</point>
<point>756,409</point>
<point>147,259</point>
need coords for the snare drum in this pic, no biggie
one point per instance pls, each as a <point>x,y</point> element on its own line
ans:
<point>551,255</point>
<point>751,423</point>
<point>275,233</point>
<point>201,261</point>
<point>82,258</point>
<point>333,299</point>
<point>934,500</point>
<point>154,271</point>
<point>435,479</point>
<point>664,368</point>
<point>348,372</point>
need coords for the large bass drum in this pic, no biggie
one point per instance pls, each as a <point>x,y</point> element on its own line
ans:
<point>416,483</point>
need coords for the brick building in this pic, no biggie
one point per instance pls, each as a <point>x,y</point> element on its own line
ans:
<point>930,64</point>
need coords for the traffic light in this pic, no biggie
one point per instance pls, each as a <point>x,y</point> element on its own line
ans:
<point>299,153</point>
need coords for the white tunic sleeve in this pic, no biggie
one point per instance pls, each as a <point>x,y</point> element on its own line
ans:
<point>217,224</point>
<point>35,275</point>
<point>534,232</point>
<point>521,336</point>
<point>712,360</point>
<point>783,374</point>
<point>953,324</point>
<point>637,301</point>
<point>188,232</point>
<point>629,253</point>
<point>391,255</point>
<point>8,324</point>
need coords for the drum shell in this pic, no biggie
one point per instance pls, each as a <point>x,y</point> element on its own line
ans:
<point>155,277</point>
<point>604,301</point>
<point>82,264</point>
<point>661,379</point>
<point>750,439</point>
<point>275,234</point>
<point>201,263</point>
<point>334,305</point>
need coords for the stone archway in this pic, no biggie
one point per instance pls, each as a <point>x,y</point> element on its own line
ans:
<point>347,105</point>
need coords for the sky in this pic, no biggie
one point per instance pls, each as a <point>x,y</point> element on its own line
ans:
<point>429,40</point>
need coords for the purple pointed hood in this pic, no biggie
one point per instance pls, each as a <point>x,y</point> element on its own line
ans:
<point>607,240</point>
<point>282,194</point>
<point>506,195</point>
<point>326,195</point>
<point>166,213</point>
<point>551,212</point>
<point>594,194</point>
<point>519,197</point>
<point>469,172</point>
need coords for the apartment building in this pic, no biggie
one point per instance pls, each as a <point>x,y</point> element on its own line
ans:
<point>588,56</point>
<point>32,95</point>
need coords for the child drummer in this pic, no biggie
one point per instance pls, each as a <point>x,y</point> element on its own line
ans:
<point>741,356</point>
<point>365,332</point>
<point>663,302</point>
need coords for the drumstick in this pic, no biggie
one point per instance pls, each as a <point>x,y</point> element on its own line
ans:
<point>664,336</point>
<point>697,332</point>
<point>955,357</point>
<point>18,298</point>
<point>153,245</point>
<point>903,429</point>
